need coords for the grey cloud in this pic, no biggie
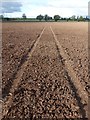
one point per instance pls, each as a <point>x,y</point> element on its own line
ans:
<point>11,7</point>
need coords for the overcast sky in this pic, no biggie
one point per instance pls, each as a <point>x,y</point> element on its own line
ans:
<point>32,8</point>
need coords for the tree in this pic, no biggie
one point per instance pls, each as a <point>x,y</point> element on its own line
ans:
<point>56,17</point>
<point>73,17</point>
<point>7,19</point>
<point>1,17</point>
<point>24,16</point>
<point>78,18</point>
<point>87,18</point>
<point>81,18</point>
<point>46,17</point>
<point>67,19</point>
<point>39,17</point>
<point>49,18</point>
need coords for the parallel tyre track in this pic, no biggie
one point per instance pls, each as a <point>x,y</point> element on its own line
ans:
<point>17,77</point>
<point>52,53</point>
<point>80,93</point>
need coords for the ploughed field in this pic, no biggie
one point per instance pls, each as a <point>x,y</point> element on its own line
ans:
<point>45,70</point>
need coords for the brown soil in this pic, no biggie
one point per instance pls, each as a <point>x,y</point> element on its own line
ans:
<point>37,81</point>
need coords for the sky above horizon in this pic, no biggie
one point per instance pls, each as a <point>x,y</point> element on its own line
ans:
<point>32,8</point>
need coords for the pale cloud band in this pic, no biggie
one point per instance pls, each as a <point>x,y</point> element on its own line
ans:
<point>11,7</point>
<point>32,8</point>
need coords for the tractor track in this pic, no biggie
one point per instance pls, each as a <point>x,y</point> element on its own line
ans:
<point>80,94</point>
<point>6,89</point>
<point>81,91</point>
<point>73,88</point>
<point>18,75</point>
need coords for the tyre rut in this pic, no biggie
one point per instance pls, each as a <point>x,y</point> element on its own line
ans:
<point>44,90</point>
<point>18,75</point>
<point>45,87</point>
<point>80,93</point>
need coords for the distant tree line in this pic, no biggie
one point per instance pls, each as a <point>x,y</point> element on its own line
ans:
<point>46,18</point>
<point>58,18</point>
<point>41,17</point>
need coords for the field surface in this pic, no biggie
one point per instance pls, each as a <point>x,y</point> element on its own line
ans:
<point>45,70</point>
